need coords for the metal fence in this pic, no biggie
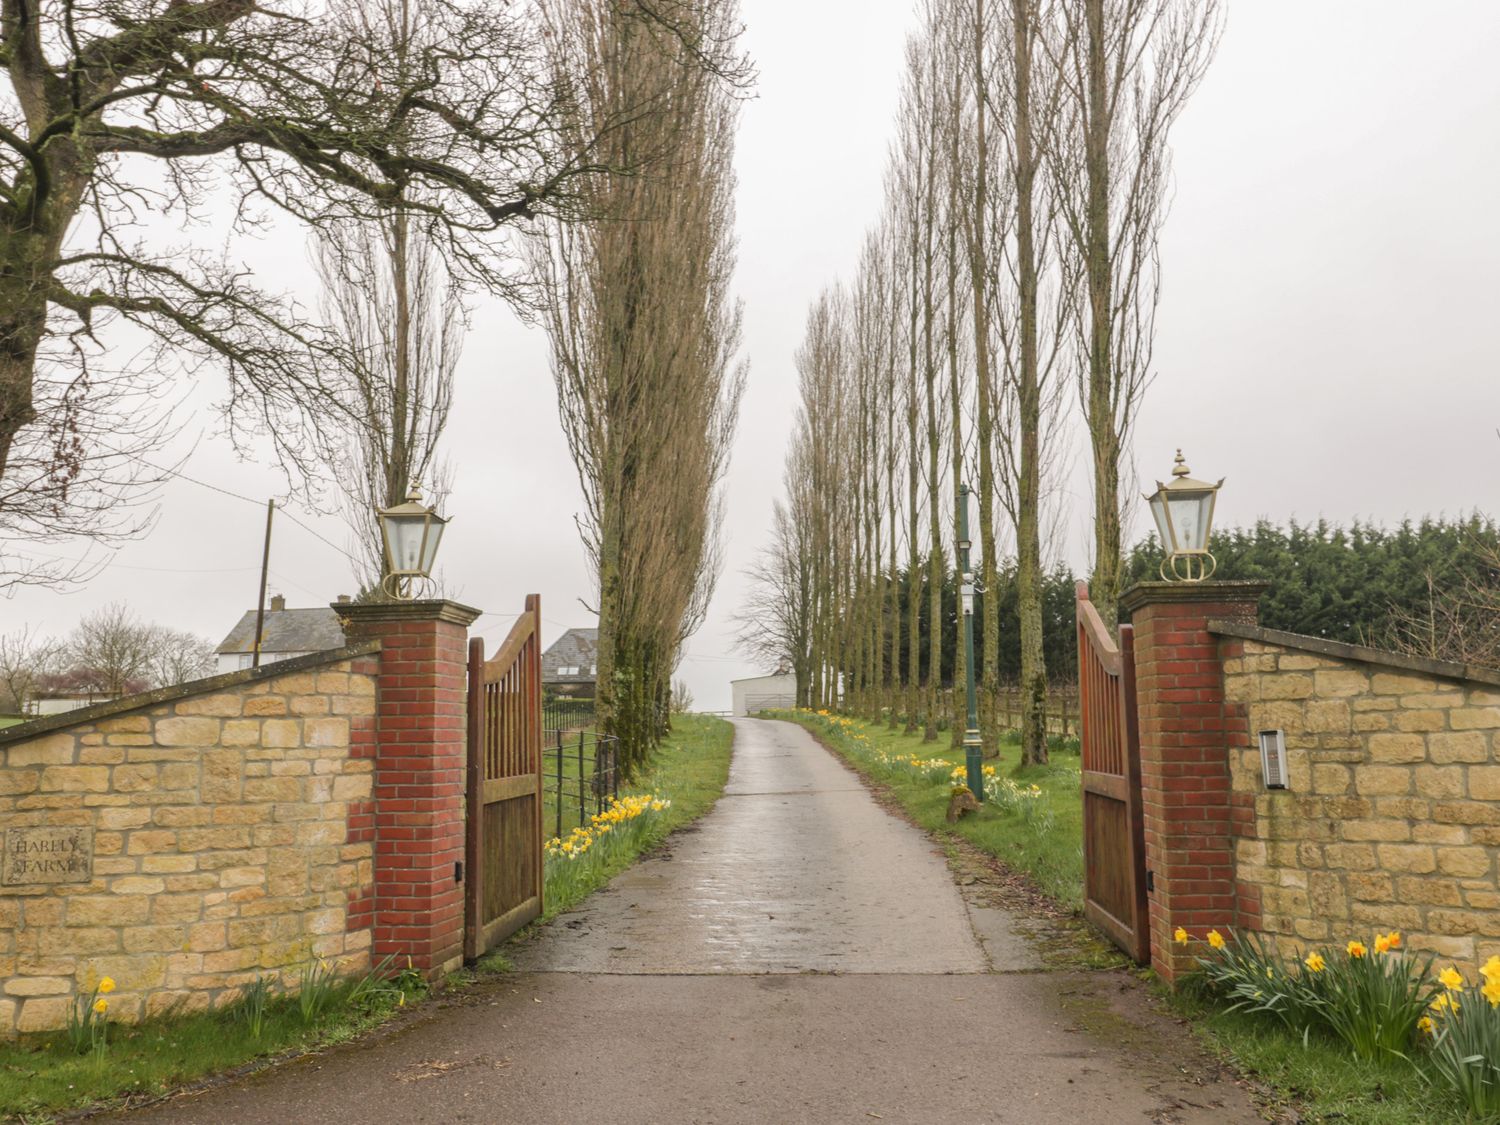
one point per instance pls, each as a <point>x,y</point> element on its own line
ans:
<point>581,774</point>
<point>563,713</point>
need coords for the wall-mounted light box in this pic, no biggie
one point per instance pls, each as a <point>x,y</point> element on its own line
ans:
<point>1273,758</point>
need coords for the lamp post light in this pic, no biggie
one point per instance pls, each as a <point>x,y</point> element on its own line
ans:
<point>411,533</point>
<point>1184,513</point>
<point>973,750</point>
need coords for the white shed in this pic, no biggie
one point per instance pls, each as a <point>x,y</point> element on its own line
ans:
<point>762,693</point>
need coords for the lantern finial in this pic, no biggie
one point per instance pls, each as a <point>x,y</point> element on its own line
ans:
<point>1184,514</point>
<point>1179,467</point>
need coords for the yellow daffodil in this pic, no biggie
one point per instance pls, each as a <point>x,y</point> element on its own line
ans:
<point>1315,962</point>
<point>1394,937</point>
<point>1444,1003</point>
<point>1216,939</point>
<point>1356,949</point>
<point>1181,936</point>
<point>1451,979</point>
<point>1426,1024</point>
<point>1491,992</point>
<point>1491,968</point>
<point>107,985</point>
<point>101,1005</point>
<point>1382,943</point>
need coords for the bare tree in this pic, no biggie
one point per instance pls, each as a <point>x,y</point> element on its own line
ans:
<point>119,118</point>
<point>25,659</point>
<point>1126,69</point>
<point>175,656</point>
<point>112,650</point>
<point>644,332</point>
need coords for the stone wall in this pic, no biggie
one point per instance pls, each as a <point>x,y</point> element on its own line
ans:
<point>229,826</point>
<point>1392,814</point>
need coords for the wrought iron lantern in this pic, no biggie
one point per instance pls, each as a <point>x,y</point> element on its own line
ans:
<point>411,533</point>
<point>1184,513</point>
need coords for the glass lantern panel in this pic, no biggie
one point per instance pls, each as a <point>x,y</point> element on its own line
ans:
<point>1159,512</point>
<point>406,541</point>
<point>434,536</point>
<point>1190,521</point>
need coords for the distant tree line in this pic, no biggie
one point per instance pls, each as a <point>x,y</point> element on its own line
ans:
<point>111,653</point>
<point>1428,587</point>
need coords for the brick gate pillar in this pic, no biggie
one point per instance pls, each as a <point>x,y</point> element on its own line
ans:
<point>417,807</point>
<point>1186,735</point>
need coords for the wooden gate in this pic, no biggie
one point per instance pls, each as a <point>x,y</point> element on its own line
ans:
<point>1114,845</point>
<point>503,888</point>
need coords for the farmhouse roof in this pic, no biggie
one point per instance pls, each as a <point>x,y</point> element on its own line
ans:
<point>287,630</point>
<point>577,652</point>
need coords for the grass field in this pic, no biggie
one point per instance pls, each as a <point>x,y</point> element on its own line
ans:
<point>10,721</point>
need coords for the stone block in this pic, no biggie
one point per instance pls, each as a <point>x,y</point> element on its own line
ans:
<point>1464,863</point>
<point>135,778</point>
<point>281,733</point>
<point>118,819</point>
<point>207,937</point>
<point>1398,748</point>
<point>269,789</point>
<point>107,910</point>
<point>168,864</point>
<point>1370,886</point>
<point>1428,892</point>
<point>1474,718</point>
<point>38,986</point>
<point>360,705</point>
<point>18,781</point>
<point>183,816</point>
<point>149,842</point>
<point>223,775</point>
<point>1439,781</point>
<point>1390,683</point>
<point>101,755</point>
<point>1447,946</point>
<point>126,724</point>
<point>332,732</point>
<point>1358,857</point>
<point>48,750</point>
<point>1469,746</point>
<point>1418,859</point>
<point>213,839</point>
<point>1484,783</point>
<point>1382,781</point>
<point>77,941</point>
<point>43,1013</point>
<point>1426,833</point>
<point>241,876</point>
<point>136,885</point>
<point>1336,684</point>
<point>241,733</point>
<point>179,775</point>
<point>188,731</point>
<point>1376,829</point>
<point>1421,722</point>
<point>75,779</point>
<point>225,705</point>
<point>1330,780</point>
<point>266,705</point>
<point>309,705</point>
<point>151,939</point>
<point>177,907</point>
<point>1329,716</point>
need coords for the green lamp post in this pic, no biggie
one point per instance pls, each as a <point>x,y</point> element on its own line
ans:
<point>973,749</point>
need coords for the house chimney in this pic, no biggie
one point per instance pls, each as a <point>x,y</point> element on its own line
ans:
<point>344,599</point>
<point>278,603</point>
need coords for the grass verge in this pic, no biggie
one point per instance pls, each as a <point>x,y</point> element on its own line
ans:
<point>43,1075</point>
<point>689,769</point>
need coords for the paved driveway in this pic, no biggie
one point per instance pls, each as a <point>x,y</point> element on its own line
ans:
<point>799,956</point>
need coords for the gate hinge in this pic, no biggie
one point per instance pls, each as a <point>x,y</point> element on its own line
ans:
<point>458,871</point>
<point>1150,881</point>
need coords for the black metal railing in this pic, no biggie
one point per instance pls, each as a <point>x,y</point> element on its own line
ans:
<point>581,773</point>
<point>561,713</point>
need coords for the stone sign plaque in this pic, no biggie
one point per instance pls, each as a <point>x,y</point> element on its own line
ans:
<point>47,855</point>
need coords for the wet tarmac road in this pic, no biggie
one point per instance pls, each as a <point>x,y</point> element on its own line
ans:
<point>801,956</point>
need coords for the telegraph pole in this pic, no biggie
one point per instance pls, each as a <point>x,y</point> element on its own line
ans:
<point>265,566</point>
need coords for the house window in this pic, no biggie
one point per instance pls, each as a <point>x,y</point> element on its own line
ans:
<point>593,669</point>
<point>568,670</point>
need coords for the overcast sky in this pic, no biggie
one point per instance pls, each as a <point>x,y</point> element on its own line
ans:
<point>1331,273</point>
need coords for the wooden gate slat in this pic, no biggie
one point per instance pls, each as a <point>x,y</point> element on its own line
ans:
<point>1114,849</point>
<point>503,843</point>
